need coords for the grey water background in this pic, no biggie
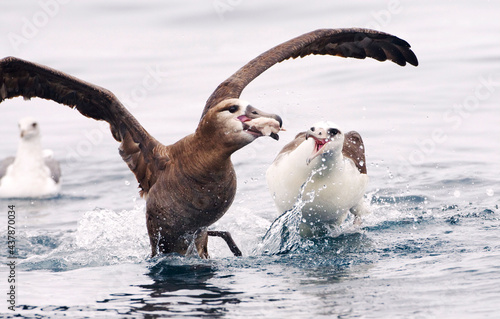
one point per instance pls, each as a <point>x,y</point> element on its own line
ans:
<point>431,247</point>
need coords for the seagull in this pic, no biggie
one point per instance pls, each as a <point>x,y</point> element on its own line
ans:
<point>190,184</point>
<point>32,172</point>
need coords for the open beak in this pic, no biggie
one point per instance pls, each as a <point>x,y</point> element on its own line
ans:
<point>320,140</point>
<point>259,123</point>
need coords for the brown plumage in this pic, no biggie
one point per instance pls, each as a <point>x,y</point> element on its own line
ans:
<point>190,184</point>
<point>347,43</point>
<point>355,150</point>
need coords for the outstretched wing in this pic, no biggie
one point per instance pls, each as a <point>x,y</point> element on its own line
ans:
<point>355,150</point>
<point>347,43</point>
<point>143,154</point>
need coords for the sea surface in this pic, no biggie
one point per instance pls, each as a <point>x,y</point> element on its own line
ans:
<point>430,248</point>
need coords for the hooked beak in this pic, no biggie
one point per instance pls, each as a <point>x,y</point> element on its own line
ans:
<point>321,138</point>
<point>259,123</point>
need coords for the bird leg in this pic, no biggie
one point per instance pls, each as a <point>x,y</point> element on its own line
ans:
<point>229,240</point>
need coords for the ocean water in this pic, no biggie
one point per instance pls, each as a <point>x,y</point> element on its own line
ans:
<point>430,248</point>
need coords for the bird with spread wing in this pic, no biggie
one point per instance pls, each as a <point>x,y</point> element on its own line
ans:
<point>190,184</point>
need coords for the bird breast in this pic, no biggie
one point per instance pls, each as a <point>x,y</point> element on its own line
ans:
<point>323,186</point>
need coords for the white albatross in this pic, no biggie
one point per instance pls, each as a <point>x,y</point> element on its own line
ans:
<point>33,172</point>
<point>324,170</point>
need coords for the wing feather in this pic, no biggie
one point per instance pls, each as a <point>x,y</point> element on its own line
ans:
<point>353,43</point>
<point>142,153</point>
<point>4,165</point>
<point>291,146</point>
<point>55,169</point>
<point>355,150</point>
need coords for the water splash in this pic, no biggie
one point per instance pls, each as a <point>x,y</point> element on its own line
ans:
<point>103,237</point>
<point>114,235</point>
<point>284,234</point>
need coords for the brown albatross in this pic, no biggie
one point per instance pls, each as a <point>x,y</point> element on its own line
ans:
<point>190,184</point>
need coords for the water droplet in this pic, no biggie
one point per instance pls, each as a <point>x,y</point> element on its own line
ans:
<point>361,163</point>
<point>490,192</point>
<point>456,193</point>
<point>127,183</point>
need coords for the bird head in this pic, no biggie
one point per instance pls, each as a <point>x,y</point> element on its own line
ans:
<point>239,123</point>
<point>328,140</point>
<point>28,128</point>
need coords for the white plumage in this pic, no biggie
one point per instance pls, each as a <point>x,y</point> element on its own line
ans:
<point>324,171</point>
<point>32,172</point>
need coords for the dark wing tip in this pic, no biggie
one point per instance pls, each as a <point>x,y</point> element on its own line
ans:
<point>411,57</point>
<point>349,43</point>
<point>381,46</point>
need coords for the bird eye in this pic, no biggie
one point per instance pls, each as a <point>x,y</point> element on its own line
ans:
<point>33,125</point>
<point>333,131</point>
<point>312,129</point>
<point>233,108</point>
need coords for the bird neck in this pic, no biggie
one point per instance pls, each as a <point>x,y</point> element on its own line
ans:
<point>328,164</point>
<point>29,153</point>
<point>202,156</point>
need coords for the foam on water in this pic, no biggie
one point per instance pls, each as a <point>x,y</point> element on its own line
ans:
<point>110,232</point>
<point>103,237</point>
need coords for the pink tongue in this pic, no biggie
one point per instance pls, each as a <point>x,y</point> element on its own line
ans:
<point>244,118</point>
<point>319,145</point>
